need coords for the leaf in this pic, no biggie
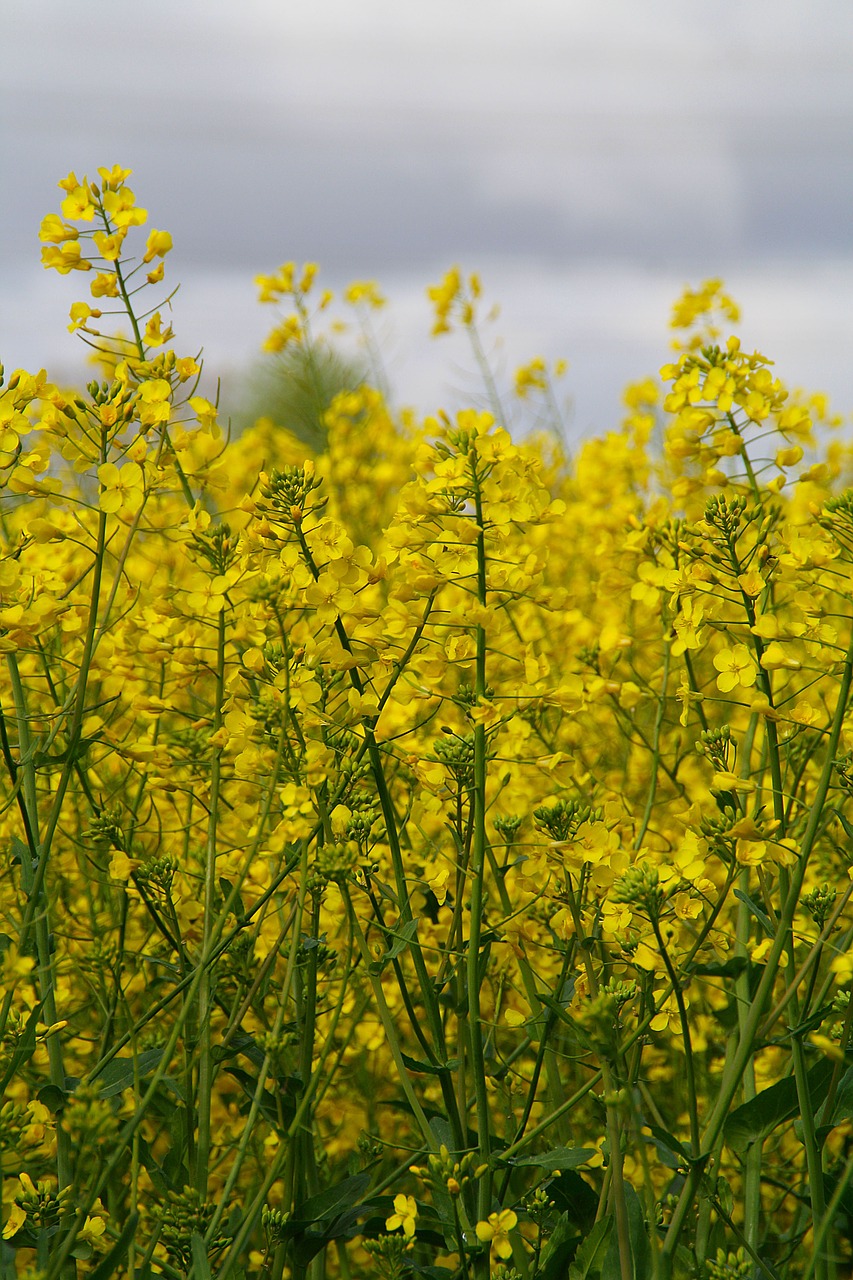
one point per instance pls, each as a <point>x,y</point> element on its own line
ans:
<point>403,937</point>
<point>118,1074</point>
<point>291,1089</point>
<point>574,1196</point>
<point>331,1214</point>
<point>842,1107</point>
<point>52,1097</point>
<point>25,1047</point>
<point>429,1068</point>
<point>200,1269</point>
<point>109,1264</point>
<point>559,1249</point>
<point>848,827</point>
<point>755,1120</point>
<point>332,1200</point>
<point>240,1042</point>
<point>761,916</point>
<point>589,1258</point>
<point>20,852</point>
<point>558,1158</point>
<point>714,969</point>
<point>638,1238</point>
<point>672,1144</point>
<point>155,1173</point>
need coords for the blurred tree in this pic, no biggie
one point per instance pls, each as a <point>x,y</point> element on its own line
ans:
<point>295,388</point>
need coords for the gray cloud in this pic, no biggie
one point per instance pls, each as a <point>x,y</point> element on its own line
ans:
<point>414,133</point>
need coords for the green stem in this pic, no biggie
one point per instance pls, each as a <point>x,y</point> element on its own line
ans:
<point>655,761</point>
<point>477,871</point>
<point>205,1062</point>
<point>746,1041</point>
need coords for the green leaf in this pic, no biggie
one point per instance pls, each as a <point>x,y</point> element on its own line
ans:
<point>558,1252</point>
<point>24,1048</point>
<point>574,1196</point>
<point>403,937</point>
<point>429,1068</point>
<point>111,1261</point>
<point>155,1173</point>
<point>240,1042</point>
<point>52,1097</point>
<point>589,1258</point>
<point>330,1215</point>
<point>761,916</point>
<point>843,1106</point>
<point>755,1120</point>
<point>118,1074</point>
<point>200,1269</point>
<point>290,1090</point>
<point>331,1201</point>
<point>714,969</point>
<point>558,1158</point>
<point>638,1238</point>
<point>670,1143</point>
<point>848,827</point>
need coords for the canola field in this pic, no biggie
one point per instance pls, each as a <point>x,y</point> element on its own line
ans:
<point>427,855</point>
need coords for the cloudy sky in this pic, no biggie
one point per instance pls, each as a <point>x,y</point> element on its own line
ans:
<point>587,159</point>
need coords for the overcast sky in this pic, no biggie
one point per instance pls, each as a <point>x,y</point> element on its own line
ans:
<point>588,158</point>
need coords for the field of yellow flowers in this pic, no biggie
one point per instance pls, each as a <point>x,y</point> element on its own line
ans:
<point>423,857</point>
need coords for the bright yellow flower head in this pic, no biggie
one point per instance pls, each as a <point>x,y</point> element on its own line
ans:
<point>404,1215</point>
<point>736,667</point>
<point>495,1231</point>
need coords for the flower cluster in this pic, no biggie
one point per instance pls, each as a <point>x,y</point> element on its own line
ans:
<point>419,833</point>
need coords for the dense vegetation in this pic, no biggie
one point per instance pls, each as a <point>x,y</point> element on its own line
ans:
<point>422,857</point>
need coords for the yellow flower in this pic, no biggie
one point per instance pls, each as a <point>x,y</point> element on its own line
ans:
<point>751,584</point>
<point>496,1231</point>
<point>55,231</point>
<point>78,204</point>
<point>364,291</point>
<point>92,1230</point>
<point>157,246</point>
<point>736,667</point>
<point>109,246</point>
<point>443,297</point>
<point>774,657</point>
<point>404,1215</point>
<point>113,177</point>
<point>155,335</point>
<point>104,285</point>
<point>17,1218</point>
<point>64,258</point>
<point>80,314</point>
<point>206,414</point>
<point>687,626</point>
<point>121,488</point>
<point>154,405</point>
<point>532,375</point>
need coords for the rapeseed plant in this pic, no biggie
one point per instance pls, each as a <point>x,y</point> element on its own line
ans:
<point>423,857</point>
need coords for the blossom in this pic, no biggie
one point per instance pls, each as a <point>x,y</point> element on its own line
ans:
<point>159,243</point>
<point>495,1231</point>
<point>64,258</point>
<point>736,667</point>
<point>17,1218</point>
<point>121,487</point>
<point>155,335</point>
<point>154,403</point>
<point>404,1215</point>
<point>109,245</point>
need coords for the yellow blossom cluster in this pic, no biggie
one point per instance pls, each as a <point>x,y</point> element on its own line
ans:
<point>423,794</point>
